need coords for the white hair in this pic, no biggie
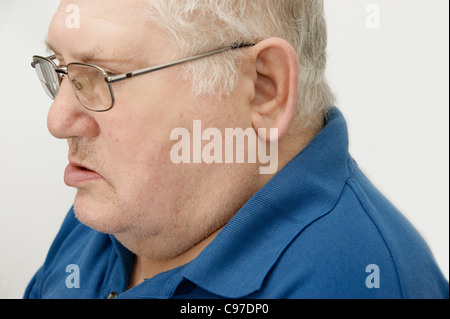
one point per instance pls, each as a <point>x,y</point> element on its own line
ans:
<point>196,26</point>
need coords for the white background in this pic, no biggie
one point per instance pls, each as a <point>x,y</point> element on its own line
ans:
<point>391,83</point>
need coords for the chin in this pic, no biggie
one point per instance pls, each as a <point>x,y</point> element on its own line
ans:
<point>103,217</point>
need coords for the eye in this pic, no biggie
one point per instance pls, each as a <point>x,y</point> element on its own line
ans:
<point>119,85</point>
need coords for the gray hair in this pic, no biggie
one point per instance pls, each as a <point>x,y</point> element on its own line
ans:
<point>196,26</point>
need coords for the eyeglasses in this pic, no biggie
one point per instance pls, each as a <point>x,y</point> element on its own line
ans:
<point>91,84</point>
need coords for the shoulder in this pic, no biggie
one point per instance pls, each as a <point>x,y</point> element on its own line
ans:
<point>363,248</point>
<point>329,258</point>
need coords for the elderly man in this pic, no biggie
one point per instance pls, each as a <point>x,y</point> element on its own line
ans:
<point>150,94</point>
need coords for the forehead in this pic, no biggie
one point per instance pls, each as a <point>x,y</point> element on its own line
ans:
<point>113,29</point>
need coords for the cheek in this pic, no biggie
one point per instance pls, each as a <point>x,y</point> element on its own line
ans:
<point>140,167</point>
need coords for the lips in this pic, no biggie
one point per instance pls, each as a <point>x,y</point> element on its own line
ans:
<point>77,175</point>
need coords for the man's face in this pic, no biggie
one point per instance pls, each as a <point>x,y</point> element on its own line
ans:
<point>132,188</point>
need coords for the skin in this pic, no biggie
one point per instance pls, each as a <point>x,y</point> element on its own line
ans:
<point>164,213</point>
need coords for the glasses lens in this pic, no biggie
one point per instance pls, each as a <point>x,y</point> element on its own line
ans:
<point>48,77</point>
<point>90,87</point>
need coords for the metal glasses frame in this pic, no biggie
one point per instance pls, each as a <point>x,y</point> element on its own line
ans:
<point>113,78</point>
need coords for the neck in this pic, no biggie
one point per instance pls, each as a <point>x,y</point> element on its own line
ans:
<point>145,268</point>
<point>289,147</point>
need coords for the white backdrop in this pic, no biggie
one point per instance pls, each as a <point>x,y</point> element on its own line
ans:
<point>388,64</point>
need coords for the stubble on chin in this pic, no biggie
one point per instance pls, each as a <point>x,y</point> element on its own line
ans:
<point>99,210</point>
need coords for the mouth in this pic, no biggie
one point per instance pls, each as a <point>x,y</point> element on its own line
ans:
<point>77,175</point>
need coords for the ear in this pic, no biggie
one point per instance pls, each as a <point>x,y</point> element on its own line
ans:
<point>275,85</point>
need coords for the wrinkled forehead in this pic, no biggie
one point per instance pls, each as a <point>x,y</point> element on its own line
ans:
<point>115,29</point>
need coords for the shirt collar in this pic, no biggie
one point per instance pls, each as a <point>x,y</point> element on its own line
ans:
<point>236,263</point>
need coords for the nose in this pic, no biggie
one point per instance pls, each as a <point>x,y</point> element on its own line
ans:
<point>67,118</point>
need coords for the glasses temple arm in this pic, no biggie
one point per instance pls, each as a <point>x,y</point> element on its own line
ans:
<point>121,77</point>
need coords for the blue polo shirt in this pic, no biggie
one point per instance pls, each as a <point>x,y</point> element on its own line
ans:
<point>318,229</point>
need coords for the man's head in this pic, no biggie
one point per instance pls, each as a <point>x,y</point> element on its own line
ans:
<point>157,208</point>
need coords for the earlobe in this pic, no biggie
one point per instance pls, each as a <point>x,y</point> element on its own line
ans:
<point>276,84</point>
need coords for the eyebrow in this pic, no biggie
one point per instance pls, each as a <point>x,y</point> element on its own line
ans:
<point>49,47</point>
<point>88,58</point>
<point>82,57</point>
